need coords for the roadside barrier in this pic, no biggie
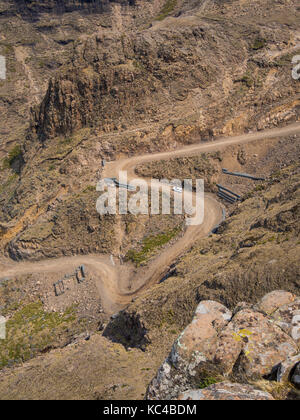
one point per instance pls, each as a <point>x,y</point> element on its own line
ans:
<point>243,175</point>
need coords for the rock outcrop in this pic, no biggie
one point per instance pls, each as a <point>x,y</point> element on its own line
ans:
<point>31,8</point>
<point>254,343</point>
<point>179,67</point>
<point>227,391</point>
<point>295,379</point>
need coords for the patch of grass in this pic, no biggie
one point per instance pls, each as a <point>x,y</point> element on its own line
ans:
<point>167,9</point>
<point>285,60</point>
<point>280,391</point>
<point>207,382</point>
<point>89,188</point>
<point>38,232</point>
<point>13,155</point>
<point>260,187</point>
<point>269,239</point>
<point>276,174</point>
<point>259,44</point>
<point>8,183</point>
<point>149,245</point>
<point>66,140</point>
<point>8,49</point>
<point>31,330</point>
<point>167,317</point>
<point>247,80</point>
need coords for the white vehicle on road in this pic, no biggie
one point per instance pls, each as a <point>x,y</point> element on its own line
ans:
<point>177,189</point>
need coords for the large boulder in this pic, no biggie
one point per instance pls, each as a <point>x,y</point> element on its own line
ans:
<point>199,340</point>
<point>251,345</point>
<point>272,301</point>
<point>284,370</point>
<point>287,317</point>
<point>226,391</point>
<point>193,348</point>
<point>295,379</point>
<point>255,343</point>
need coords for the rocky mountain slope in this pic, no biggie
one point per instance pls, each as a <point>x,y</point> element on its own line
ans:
<point>120,85</point>
<point>255,252</point>
<point>88,81</point>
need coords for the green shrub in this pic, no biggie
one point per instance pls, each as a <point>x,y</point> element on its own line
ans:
<point>89,188</point>
<point>14,154</point>
<point>207,382</point>
<point>247,80</point>
<point>167,9</point>
<point>259,43</point>
<point>259,187</point>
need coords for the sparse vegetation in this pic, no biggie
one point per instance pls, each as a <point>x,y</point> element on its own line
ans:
<point>207,382</point>
<point>14,154</point>
<point>149,245</point>
<point>259,44</point>
<point>139,65</point>
<point>127,87</point>
<point>247,80</point>
<point>89,188</point>
<point>260,187</point>
<point>31,330</point>
<point>10,181</point>
<point>167,9</point>
<point>66,140</point>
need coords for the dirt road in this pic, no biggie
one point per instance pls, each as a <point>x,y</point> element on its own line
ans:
<point>112,279</point>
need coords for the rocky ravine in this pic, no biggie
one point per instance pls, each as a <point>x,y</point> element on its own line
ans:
<point>251,344</point>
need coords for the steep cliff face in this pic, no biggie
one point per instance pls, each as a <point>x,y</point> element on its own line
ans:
<point>33,9</point>
<point>193,74</point>
<point>38,39</point>
<point>118,82</point>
